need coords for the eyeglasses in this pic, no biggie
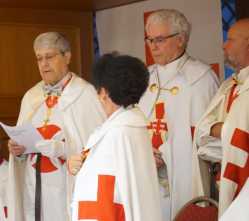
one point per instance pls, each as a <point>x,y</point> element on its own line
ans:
<point>47,57</point>
<point>159,39</point>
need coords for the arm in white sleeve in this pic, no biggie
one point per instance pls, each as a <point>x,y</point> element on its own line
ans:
<point>209,148</point>
<point>53,148</point>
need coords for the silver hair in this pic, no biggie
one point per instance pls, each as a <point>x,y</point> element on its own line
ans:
<point>176,20</point>
<point>52,40</point>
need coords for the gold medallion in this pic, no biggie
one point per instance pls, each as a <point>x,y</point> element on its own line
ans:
<point>174,90</point>
<point>153,88</point>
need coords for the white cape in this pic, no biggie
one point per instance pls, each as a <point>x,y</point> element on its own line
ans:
<point>81,113</point>
<point>120,150</point>
<point>233,144</point>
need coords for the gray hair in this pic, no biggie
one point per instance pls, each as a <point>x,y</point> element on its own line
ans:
<point>176,20</point>
<point>52,40</point>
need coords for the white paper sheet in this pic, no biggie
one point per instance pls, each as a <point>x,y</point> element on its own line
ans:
<point>25,135</point>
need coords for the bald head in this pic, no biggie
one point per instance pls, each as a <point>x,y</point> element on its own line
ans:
<point>236,48</point>
<point>241,27</point>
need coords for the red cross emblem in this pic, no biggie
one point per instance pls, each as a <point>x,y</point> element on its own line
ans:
<point>104,209</point>
<point>158,126</point>
<point>51,101</point>
<point>47,132</point>
<point>237,174</point>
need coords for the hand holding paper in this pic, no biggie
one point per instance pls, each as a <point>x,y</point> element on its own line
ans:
<point>24,135</point>
<point>15,148</point>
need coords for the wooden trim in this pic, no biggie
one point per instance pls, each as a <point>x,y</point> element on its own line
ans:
<point>81,21</point>
<point>75,5</point>
<point>97,6</point>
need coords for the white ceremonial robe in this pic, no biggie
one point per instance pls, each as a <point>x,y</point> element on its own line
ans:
<point>238,210</point>
<point>118,180</point>
<point>80,113</point>
<point>3,188</point>
<point>197,84</point>
<point>53,170</point>
<point>233,147</point>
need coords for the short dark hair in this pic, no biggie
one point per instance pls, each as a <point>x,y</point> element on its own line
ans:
<point>124,77</point>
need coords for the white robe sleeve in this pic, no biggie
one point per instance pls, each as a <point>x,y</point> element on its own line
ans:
<point>202,92</point>
<point>209,148</point>
<point>52,148</point>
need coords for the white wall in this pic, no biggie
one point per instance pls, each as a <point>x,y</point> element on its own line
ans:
<point>122,28</point>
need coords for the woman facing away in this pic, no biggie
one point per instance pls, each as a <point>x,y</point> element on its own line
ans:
<point>116,174</point>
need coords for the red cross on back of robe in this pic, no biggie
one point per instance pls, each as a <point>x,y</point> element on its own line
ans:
<point>237,174</point>
<point>104,209</point>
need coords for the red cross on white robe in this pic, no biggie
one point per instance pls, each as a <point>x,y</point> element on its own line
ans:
<point>104,209</point>
<point>47,132</point>
<point>237,174</point>
<point>158,126</point>
<point>231,97</point>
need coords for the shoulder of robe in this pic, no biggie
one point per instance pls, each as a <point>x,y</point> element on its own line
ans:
<point>151,68</point>
<point>35,91</point>
<point>195,69</point>
<point>82,83</point>
<point>225,84</point>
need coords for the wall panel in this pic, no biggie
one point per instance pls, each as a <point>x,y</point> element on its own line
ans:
<point>19,72</point>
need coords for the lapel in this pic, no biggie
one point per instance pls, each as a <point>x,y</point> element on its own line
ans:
<point>245,85</point>
<point>36,101</point>
<point>149,98</point>
<point>193,70</point>
<point>168,73</point>
<point>131,117</point>
<point>219,98</point>
<point>72,91</point>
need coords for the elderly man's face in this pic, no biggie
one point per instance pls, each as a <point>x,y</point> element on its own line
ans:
<point>236,48</point>
<point>53,65</point>
<point>164,45</point>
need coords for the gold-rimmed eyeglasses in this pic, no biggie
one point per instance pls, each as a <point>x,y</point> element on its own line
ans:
<point>47,57</point>
<point>159,39</point>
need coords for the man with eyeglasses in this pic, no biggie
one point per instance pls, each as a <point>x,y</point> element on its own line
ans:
<point>222,135</point>
<point>65,110</point>
<point>180,89</point>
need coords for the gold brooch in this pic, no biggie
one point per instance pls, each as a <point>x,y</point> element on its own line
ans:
<point>174,90</point>
<point>236,81</point>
